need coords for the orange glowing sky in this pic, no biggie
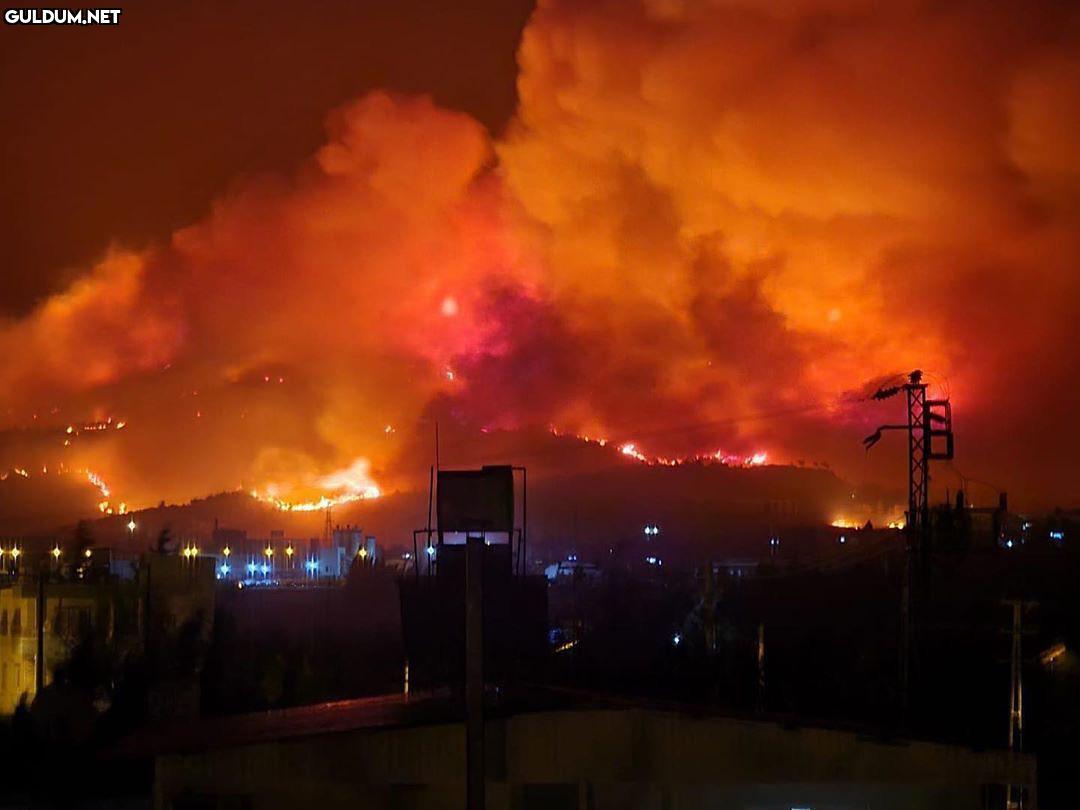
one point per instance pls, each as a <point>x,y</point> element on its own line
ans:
<point>703,225</point>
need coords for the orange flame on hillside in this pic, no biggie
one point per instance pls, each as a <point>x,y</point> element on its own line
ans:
<point>634,451</point>
<point>347,485</point>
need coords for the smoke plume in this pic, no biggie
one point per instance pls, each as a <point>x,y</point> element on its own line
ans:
<point>708,226</point>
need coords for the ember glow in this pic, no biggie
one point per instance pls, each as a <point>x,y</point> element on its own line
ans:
<point>106,505</point>
<point>853,523</point>
<point>632,450</point>
<point>347,485</point>
<point>704,225</point>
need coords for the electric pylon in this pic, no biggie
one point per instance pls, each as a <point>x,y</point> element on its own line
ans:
<point>930,438</point>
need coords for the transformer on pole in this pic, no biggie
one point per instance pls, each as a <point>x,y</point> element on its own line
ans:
<point>930,438</point>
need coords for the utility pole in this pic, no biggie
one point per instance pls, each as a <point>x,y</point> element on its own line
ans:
<point>761,667</point>
<point>39,664</point>
<point>918,515</point>
<point>930,438</point>
<point>1016,689</point>
<point>1014,799</point>
<point>474,673</point>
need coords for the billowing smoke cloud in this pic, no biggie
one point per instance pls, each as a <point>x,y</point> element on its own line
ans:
<point>783,200</point>
<point>707,222</point>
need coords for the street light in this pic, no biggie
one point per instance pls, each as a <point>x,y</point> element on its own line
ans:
<point>131,526</point>
<point>56,552</point>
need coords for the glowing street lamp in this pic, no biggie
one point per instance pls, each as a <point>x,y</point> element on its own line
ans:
<point>226,551</point>
<point>15,552</point>
<point>131,526</point>
<point>56,552</point>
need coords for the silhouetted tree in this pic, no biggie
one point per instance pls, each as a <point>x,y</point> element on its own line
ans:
<point>163,541</point>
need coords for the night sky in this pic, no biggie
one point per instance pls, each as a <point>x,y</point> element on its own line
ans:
<point>122,134</point>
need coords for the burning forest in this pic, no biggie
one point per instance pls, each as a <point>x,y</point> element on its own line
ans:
<point>704,226</point>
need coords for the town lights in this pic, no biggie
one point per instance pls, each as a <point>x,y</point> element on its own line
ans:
<point>226,551</point>
<point>651,530</point>
<point>269,552</point>
<point>363,554</point>
<point>88,554</point>
<point>131,526</point>
<point>311,565</point>
<point>56,552</point>
<point>15,552</point>
<point>289,550</point>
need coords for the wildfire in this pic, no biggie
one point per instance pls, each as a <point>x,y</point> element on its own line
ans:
<point>98,482</point>
<point>852,523</point>
<point>846,523</point>
<point>92,427</point>
<point>347,485</point>
<point>105,505</point>
<point>632,450</point>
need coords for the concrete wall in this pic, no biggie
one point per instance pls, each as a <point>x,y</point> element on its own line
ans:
<point>18,644</point>
<point>597,760</point>
<point>18,639</point>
